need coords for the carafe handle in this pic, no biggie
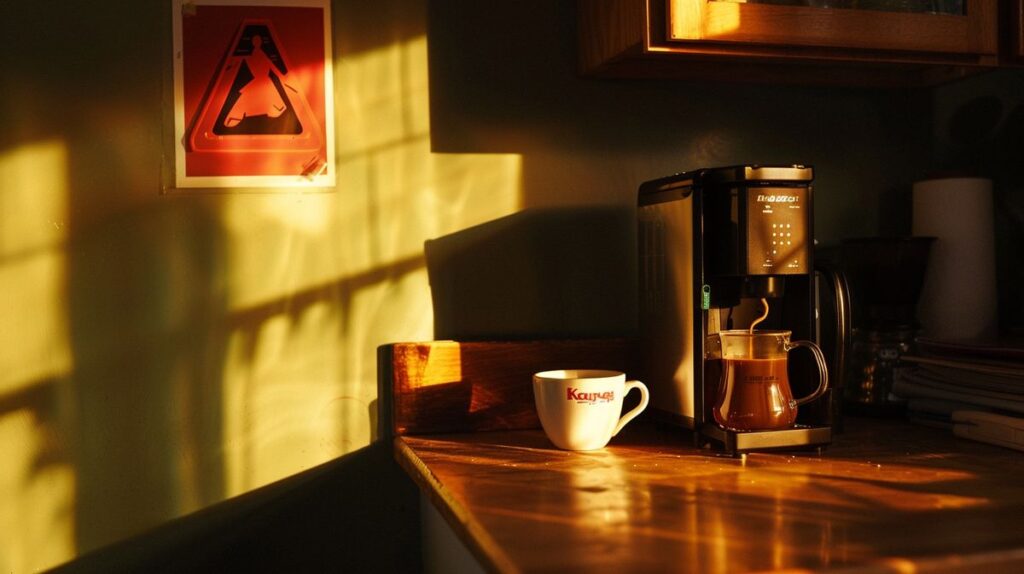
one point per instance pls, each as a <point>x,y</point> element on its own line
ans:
<point>819,358</point>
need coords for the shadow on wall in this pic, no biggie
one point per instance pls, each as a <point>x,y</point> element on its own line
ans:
<point>112,404</point>
<point>149,340</point>
<point>540,273</point>
<point>504,78</point>
<point>110,310</point>
<point>160,353</point>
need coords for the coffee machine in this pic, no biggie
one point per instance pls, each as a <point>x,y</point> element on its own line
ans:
<point>712,244</point>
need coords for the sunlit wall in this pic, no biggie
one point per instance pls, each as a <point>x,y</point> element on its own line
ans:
<point>37,480</point>
<point>161,351</point>
<point>316,282</point>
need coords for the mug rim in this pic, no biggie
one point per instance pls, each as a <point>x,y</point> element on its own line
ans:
<point>578,375</point>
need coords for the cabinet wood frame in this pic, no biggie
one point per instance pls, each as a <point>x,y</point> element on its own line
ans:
<point>785,44</point>
<point>774,25</point>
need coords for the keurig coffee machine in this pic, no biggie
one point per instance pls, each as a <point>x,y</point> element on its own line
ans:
<point>730,250</point>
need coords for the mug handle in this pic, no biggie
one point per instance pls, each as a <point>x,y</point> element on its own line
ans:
<point>819,358</point>
<point>644,399</point>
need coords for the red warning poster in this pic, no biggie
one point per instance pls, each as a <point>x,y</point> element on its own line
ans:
<point>253,93</point>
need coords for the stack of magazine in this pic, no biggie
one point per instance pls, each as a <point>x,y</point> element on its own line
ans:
<point>975,388</point>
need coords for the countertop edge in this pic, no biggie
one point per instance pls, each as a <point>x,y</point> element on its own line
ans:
<point>483,547</point>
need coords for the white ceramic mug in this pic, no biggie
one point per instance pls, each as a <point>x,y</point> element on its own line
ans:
<point>579,409</point>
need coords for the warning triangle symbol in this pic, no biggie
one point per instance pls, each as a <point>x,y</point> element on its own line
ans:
<point>250,105</point>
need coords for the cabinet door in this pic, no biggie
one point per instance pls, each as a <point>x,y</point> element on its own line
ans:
<point>1014,31</point>
<point>924,27</point>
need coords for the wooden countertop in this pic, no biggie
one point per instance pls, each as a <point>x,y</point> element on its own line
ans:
<point>885,497</point>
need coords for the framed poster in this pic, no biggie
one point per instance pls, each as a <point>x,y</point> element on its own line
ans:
<point>253,87</point>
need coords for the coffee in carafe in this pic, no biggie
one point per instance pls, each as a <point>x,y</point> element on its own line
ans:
<point>753,391</point>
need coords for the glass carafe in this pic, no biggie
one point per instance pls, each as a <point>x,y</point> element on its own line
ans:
<point>753,389</point>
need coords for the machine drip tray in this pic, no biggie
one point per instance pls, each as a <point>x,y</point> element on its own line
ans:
<point>797,438</point>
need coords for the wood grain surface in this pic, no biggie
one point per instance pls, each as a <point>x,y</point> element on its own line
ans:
<point>450,386</point>
<point>886,497</point>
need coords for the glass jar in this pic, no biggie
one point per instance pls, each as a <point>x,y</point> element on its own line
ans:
<point>874,356</point>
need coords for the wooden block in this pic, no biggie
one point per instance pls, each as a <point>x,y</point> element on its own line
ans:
<point>450,386</point>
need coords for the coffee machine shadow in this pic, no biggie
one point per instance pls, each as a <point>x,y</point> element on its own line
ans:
<point>547,289</point>
<point>553,273</point>
<point>720,250</point>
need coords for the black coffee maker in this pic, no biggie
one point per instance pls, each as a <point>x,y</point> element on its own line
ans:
<point>712,244</point>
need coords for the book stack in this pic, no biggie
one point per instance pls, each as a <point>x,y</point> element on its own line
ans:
<point>974,388</point>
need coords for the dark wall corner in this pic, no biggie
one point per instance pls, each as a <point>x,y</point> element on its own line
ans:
<point>358,513</point>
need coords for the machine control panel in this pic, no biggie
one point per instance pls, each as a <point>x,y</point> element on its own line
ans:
<point>778,234</point>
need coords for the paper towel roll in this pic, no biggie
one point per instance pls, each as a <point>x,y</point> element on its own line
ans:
<point>958,300</point>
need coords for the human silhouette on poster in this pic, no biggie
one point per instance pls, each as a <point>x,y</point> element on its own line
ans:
<point>259,96</point>
<point>258,102</point>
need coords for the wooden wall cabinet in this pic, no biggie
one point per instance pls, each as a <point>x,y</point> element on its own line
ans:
<point>808,43</point>
<point>1012,17</point>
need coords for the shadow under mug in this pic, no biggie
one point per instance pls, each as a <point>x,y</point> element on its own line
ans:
<point>580,409</point>
<point>753,389</point>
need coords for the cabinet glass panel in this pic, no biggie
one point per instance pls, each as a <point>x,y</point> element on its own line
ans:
<point>945,7</point>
